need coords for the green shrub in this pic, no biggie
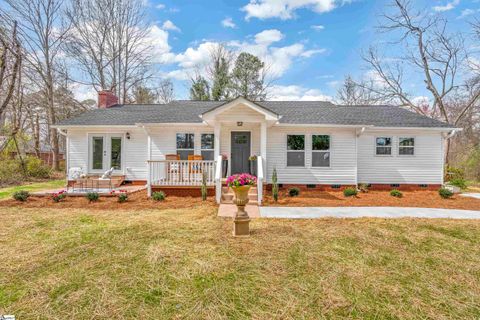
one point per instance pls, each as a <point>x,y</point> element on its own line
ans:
<point>21,195</point>
<point>293,192</point>
<point>350,192</point>
<point>10,171</point>
<point>445,193</point>
<point>122,197</point>
<point>158,196</point>
<point>274,185</point>
<point>396,193</point>
<point>92,196</point>
<point>36,168</point>
<point>458,182</point>
<point>454,173</point>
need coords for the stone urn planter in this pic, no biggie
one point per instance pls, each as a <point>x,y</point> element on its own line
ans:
<point>241,184</point>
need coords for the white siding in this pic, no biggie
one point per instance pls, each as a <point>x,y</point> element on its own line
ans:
<point>342,168</point>
<point>425,167</point>
<point>164,140</point>
<point>134,154</point>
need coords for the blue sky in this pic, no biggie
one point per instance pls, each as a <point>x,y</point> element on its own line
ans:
<point>310,44</point>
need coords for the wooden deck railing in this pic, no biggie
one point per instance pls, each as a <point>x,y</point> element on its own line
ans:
<point>180,172</point>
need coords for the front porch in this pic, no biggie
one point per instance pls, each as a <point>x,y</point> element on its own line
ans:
<point>239,132</point>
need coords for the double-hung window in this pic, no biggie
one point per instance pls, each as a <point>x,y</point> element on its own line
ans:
<point>295,150</point>
<point>185,145</point>
<point>383,146</point>
<point>207,146</point>
<point>406,146</point>
<point>320,150</point>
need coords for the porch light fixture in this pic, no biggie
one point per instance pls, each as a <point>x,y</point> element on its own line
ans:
<point>239,123</point>
<point>128,135</point>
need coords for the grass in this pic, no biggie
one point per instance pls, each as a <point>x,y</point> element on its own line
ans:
<point>177,263</point>
<point>38,186</point>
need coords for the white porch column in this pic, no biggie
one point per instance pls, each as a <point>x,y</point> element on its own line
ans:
<point>216,143</point>
<point>263,141</point>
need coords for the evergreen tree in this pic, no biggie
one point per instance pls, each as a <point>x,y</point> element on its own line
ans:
<point>200,90</point>
<point>247,78</point>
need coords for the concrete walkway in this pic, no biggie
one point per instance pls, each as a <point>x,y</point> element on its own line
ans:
<point>470,195</point>
<point>359,212</point>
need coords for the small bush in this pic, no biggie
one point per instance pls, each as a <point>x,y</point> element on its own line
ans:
<point>21,195</point>
<point>204,189</point>
<point>350,192</point>
<point>445,193</point>
<point>158,196</point>
<point>36,168</point>
<point>458,182</point>
<point>122,197</point>
<point>57,197</point>
<point>92,196</point>
<point>293,192</point>
<point>396,193</point>
<point>363,187</point>
<point>452,173</point>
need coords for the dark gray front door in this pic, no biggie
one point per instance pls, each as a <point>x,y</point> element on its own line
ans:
<point>240,152</point>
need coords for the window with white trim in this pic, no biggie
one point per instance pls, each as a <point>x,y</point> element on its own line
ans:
<point>406,146</point>
<point>383,146</point>
<point>320,150</point>
<point>185,145</point>
<point>207,145</point>
<point>295,150</point>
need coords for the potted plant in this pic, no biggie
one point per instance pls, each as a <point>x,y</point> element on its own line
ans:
<point>241,184</point>
<point>224,165</point>
<point>252,165</point>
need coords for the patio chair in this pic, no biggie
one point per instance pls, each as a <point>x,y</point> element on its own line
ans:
<point>173,170</point>
<point>195,169</point>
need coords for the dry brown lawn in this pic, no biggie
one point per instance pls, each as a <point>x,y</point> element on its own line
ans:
<point>184,264</point>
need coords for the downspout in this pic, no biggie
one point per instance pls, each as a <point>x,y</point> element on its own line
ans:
<point>149,157</point>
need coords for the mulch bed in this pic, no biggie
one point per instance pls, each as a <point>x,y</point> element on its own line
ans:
<point>136,201</point>
<point>422,199</point>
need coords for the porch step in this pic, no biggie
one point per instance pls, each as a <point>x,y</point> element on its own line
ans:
<point>228,195</point>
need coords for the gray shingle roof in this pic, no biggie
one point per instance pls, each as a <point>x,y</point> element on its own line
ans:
<point>291,112</point>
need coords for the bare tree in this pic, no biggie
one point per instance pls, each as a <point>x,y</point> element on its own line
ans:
<point>358,93</point>
<point>42,32</point>
<point>10,62</point>
<point>430,50</point>
<point>165,92</point>
<point>109,40</point>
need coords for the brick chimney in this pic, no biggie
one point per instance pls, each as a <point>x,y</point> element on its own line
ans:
<point>106,99</point>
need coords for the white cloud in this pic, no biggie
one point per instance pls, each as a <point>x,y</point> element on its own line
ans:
<point>466,13</point>
<point>277,59</point>
<point>158,39</point>
<point>228,23</point>
<point>297,93</point>
<point>169,25</point>
<point>317,27</point>
<point>284,9</point>
<point>83,92</point>
<point>160,6</point>
<point>448,6</point>
<point>267,37</point>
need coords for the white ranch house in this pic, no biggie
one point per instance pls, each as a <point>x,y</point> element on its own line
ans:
<point>312,144</point>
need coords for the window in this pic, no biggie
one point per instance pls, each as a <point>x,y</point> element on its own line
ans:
<point>185,145</point>
<point>97,153</point>
<point>116,153</point>
<point>295,150</point>
<point>384,146</point>
<point>320,151</point>
<point>207,146</point>
<point>406,146</point>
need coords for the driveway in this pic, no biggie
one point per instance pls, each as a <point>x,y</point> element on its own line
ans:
<point>360,212</point>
